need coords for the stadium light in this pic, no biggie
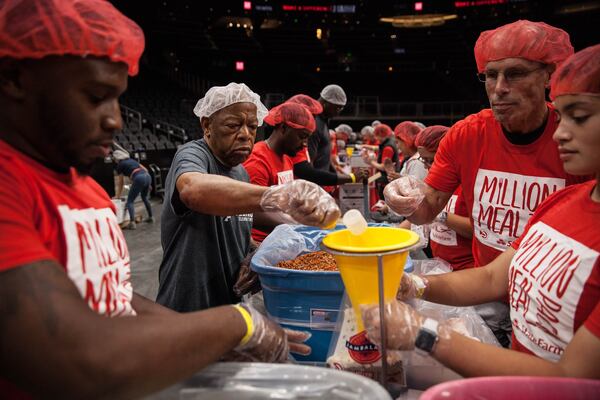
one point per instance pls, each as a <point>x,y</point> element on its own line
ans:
<point>239,65</point>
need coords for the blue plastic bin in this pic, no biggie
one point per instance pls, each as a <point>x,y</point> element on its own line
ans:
<point>305,300</point>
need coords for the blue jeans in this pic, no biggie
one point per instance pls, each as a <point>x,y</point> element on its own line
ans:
<point>140,184</point>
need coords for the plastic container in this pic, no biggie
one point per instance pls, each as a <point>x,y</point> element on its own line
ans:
<point>302,300</point>
<point>357,260</point>
<point>355,222</point>
<point>258,381</point>
<point>515,387</point>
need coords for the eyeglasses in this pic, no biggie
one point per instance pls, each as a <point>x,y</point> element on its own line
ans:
<point>510,75</point>
<point>426,161</point>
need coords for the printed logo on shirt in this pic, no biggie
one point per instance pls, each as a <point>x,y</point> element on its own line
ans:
<point>240,218</point>
<point>98,259</point>
<point>440,233</point>
<point>503,203</point>
<point>285,177</point>
<point>546,279</point>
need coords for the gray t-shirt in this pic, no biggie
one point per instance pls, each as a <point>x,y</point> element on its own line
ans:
<point>319,145</point>
<point>202,253</point>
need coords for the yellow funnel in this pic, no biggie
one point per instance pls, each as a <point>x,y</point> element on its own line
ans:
<point>349,151</point>
<point>356,257</point>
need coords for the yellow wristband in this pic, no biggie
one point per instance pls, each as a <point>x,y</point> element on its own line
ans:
<point>249,324</point>
<point>353,177</point>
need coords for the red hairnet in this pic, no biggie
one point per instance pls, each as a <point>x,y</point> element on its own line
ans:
<point>534,41</point>
<point>407,131</point>
<point>40,28</point>
<point>430,137</point>
<point>293,115</point>
<point>383,131</point>
<point>579,74</point>
<point>313,105</point>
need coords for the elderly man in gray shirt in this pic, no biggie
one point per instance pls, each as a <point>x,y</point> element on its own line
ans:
<point>209,207</point>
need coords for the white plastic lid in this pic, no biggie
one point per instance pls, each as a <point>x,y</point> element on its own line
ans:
<point>355,222</point>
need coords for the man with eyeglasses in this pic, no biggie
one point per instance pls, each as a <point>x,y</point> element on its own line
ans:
<point>503,157</point>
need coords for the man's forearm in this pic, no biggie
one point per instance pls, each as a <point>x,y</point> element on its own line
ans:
<point>471,358</point>
<point>92,356</point>
<point>144,306</point>
<point>218,195</point>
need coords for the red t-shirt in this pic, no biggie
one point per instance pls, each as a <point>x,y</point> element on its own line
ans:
<point>266,168</point>
<point>301,156</point>
<point>502,183</point>
<point>446,243</point>
<point>68,218</point>
<point>554,277</point>
<point>387,154</point>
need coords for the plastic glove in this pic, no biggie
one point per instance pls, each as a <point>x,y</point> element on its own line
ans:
<point>269,342</point>
<point>412,286</point>
<point>404,195</point>
<point>304,201</point>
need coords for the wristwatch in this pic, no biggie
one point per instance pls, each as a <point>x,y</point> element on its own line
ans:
<point>427,336</point>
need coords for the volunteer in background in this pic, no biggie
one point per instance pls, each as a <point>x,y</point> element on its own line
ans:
<point>406,132</point>
<point>140,184</point>
<point>303,169</point>
<point>333,100</point>
<point>387,154</point>
<point>551,273</point>
<point>209,205</point>
<point>72,327</point>
<point>504,157</point>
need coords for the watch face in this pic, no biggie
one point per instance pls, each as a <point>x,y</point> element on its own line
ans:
<point>425,340</point>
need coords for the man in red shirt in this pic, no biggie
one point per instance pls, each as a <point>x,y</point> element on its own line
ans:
<point>270,162</point>
<point>71,324</point>
<point>303,167</point>
<point>504,157</point>
<point>551,274</point>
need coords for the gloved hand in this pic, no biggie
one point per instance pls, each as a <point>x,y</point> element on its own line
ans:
<point>402,323</point>
<point>268,342</point>
<point>304,201</point>
<point>404,195</point>
<point>412,286</point>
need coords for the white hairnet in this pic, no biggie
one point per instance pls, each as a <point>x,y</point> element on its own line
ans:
<point>344,128</point>
<point>334,94</point>
<point>367,130</point>
<point>375,123</point>
<point>419,124</point>
<point>219,97</point>
<point>120,155</point>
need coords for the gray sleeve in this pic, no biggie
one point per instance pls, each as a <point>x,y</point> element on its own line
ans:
<point>188,159</point>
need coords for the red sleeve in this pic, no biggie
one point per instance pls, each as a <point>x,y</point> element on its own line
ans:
<point>444,174</point>
<point>388,154</point>
<point>20,241</point>
<point>258,171</point>
<point>592,323</point>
